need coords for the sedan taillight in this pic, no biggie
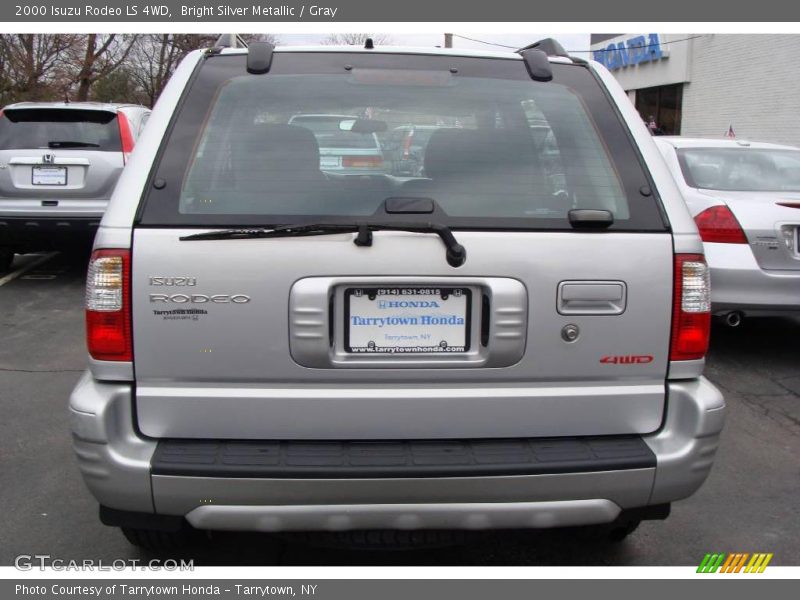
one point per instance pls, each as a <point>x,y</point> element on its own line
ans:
<point>691,308</point>
<point>718,224</point>
<point>108,308</point>
<point>126,136</point>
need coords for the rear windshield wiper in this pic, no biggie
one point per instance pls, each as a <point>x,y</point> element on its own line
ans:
<point>456,253</point>
<point>70,144</point>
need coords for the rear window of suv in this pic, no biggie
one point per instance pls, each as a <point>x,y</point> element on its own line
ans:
<point>503,151</point>
<point>42,128</point>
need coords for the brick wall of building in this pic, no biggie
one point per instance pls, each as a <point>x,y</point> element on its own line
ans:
<point>751,82</point>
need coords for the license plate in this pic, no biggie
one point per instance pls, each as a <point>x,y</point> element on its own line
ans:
<point>407,320</point>
<point>49,176</point>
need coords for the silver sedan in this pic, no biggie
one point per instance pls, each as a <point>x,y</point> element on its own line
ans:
<point>745,199</point>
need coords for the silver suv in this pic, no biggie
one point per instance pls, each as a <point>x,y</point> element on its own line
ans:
<point>273,348</point>
<point>59,162</point>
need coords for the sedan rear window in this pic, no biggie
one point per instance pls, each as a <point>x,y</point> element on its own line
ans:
<point>741,169</point>
<point>329,133</point>
<point>39,128</point>
<point>313,143</point>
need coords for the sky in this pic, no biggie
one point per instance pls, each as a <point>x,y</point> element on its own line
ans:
<point>573,43</point>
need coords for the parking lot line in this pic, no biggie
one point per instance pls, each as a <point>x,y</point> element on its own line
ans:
<point>31,265</point>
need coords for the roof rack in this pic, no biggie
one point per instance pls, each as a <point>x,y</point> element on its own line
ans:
<point>230,40</point>
<point>259,58</point>
<point>549,46</point>
<point>537,64</point>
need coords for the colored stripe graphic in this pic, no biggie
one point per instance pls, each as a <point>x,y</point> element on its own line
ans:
<point>741,562</point>
<point>728,564</point>
<point>734,562</point>
<point>765,563</point>
<point>703,563</point>
<point>758,563</point>
<point>711,562</point>
<point>751,563</point>
<point>716,565</point>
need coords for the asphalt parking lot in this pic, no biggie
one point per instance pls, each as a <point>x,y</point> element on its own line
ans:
<point>749,503</point>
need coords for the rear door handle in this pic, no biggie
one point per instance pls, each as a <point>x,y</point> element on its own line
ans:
<point>592,297</point>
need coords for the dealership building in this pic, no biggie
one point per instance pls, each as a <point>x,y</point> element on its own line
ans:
<point>705,84</point>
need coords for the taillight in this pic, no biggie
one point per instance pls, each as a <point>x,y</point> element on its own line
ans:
<point>717,224</point>
<point>407,144</point>
<point>108,308</point>
<point>363,162</point>
<point>125,135</point>
<point>691,308</point>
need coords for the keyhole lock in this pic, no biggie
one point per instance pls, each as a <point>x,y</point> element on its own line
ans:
<point>570,333</point>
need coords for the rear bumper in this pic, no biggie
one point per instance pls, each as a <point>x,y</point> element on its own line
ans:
<point>52,208</point>
<point>446,515</point>
<point>123,471</point>
<point>738,283</point>
<point>38,232</point>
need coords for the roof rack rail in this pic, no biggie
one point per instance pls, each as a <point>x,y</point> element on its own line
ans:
<point>549,46</point>
<point>230,40</point>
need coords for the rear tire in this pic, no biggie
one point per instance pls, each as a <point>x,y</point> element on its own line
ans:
<point>161,541</point>
<point>6,258</point>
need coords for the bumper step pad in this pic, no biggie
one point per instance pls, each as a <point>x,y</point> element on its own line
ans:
<point>399,459</point>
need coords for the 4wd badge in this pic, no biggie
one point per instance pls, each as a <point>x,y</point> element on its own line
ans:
<point>628,359</point>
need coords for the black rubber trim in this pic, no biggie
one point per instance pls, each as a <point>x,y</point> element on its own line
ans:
<point>139,520</point>
<point>654,512</point>
<point>51,223</point>
<point>399,459</point>
<point>29,234</point>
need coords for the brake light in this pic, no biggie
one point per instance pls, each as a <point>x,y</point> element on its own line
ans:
<point>363,162</point>
<point>717,224</point>
<point>691,308</point>
<point>108,308</point>
<point>125,135</point>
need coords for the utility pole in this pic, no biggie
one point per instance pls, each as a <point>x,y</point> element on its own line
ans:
<point>448,40</point>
